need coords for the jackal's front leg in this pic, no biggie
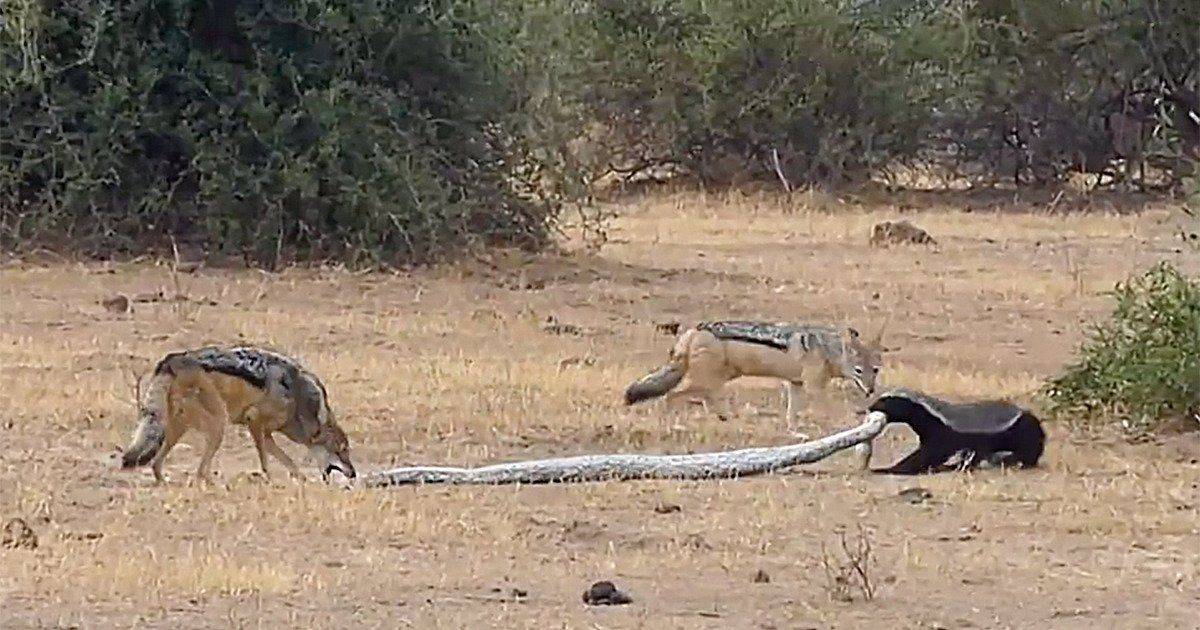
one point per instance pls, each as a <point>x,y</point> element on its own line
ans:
<point>273,448</point>
<point>800,378</point>
<point>257,435</point>
<point>792,391</point>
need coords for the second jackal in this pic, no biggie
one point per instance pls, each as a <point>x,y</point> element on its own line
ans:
<point>209,388</point>
<point>710,354</point>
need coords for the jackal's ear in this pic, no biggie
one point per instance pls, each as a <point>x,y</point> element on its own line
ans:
<point>850,333</point>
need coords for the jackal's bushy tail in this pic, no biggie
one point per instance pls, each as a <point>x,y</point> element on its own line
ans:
<point>152,409</point>
<point>147,439</point>
<point>655,384</point>
<point>665,378</point>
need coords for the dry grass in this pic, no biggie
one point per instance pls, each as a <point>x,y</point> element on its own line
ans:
<point>453,365</point>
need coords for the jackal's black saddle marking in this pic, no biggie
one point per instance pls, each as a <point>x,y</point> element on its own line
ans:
<point>774,335</point>
<point>251,364</point>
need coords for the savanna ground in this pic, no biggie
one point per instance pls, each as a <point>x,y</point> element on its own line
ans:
<point>455,365</point>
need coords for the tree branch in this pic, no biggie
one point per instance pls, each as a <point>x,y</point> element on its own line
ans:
<point>787,186</point>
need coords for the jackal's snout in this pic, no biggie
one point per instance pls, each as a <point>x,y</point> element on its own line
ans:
<point>331,460</point>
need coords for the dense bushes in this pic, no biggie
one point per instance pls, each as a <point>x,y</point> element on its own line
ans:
<point>723,89</point>
<point>392,131</point>
<point>1063,85</point>
<point>990,89</point>
<point>364,131</point>
<point>1141,367</point>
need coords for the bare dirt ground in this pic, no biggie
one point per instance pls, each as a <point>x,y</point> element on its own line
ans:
<point>456,365</point>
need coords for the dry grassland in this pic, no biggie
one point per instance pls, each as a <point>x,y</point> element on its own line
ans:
<point>454,366</point>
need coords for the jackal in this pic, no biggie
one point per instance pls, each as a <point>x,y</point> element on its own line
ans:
<point>711,354</point>
<point>208,388</point>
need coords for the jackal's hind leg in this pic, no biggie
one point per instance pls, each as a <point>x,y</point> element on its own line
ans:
<point>214,431</point>
<point>174,431</point>
<point>680,398</point>
<point>208,413</point>
<point>715,403</point>
<point>709,398</point>
<point>793,390</point>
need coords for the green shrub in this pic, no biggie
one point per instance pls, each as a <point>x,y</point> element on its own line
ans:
<point>396,131</point>
<point>1142,367</point>
<point>722,88</point>
<point>365,132</point>
<point>844,90</point>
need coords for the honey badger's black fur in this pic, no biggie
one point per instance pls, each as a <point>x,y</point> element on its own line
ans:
<point>993,432</point>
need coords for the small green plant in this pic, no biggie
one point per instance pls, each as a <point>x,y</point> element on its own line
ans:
<point>1142,367</point>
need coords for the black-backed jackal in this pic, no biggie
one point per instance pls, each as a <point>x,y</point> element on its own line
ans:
<point>710,354</point>
<point>209,388</point>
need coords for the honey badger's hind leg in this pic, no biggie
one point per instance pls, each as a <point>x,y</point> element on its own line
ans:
<point>1005,459</point>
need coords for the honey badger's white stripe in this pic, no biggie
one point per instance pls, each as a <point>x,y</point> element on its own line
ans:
<point>923,400</point>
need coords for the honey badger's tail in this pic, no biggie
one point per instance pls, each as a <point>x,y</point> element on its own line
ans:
<point>665,378</point>
<point>152,412</point>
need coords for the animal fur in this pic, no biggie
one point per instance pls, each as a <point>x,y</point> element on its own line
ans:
<point>710,354</point>
<point>986,433</point>
<point>208,388</point>
<point>899,233</point>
